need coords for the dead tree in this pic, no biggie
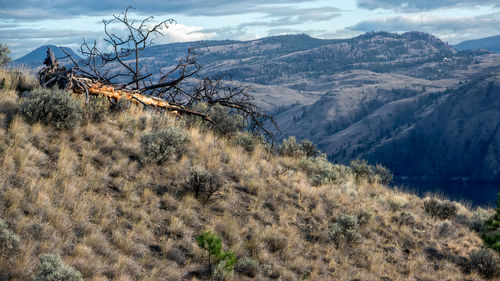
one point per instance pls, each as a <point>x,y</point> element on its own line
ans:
<point>122,69</point>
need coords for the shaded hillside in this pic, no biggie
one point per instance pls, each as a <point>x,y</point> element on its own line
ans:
<point>490,43</point>
<point>113,208</point>
<point>415,128</point>
<point>459,138</point>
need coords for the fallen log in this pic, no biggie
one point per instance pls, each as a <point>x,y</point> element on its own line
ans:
<point>53,75</point>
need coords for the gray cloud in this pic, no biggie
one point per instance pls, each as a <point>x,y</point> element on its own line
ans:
<point>451,29</point>
<point>42,9</point>
<point>22,41</point>
<point>420,5</point>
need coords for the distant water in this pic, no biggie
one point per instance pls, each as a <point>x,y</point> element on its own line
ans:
<point>477,193</point>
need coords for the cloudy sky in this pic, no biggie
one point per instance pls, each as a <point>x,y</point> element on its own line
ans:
<point>27,24</point>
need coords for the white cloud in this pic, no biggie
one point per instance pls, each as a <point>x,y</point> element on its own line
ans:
<point>451,29</point>
<point>183,33</point>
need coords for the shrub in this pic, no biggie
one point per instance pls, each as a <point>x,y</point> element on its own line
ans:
<point>4,54</point>
<point>247,267</point>
<point>119,105</point>
<point>52,268</point>
<point>408,219</point>
<point>52,107</point>
<point>323,172</point>
<point>290,147</point>
<point>164,145</point>
<point>362,170</point>
<point>364,217</point>
<point>211,243</point>
<point>9,241</point>
<point>96,109</point>
<point>440,209</point>
<point>384,176</point>
<point>492,235</point>
<point>248,141</point>
<point>20,80</point>
<point>275,241</point>
<point>485,262</point>
<point>446,229</point>
<point>202,183</point>
<point>345,230</point>
<point>224,121</point>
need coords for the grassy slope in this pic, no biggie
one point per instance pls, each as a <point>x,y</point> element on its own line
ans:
<point>84,195</point>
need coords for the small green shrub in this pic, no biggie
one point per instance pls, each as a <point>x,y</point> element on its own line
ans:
<point>323,172</point>
<point>491,236</point>
<point>363,171</point>
<point>289,147</point>
<point>52,107</point>
<point>485,262</point>
<point>345,230</point>
<point>440,209</point>
<point>364,217</point>
<point>247,266</point>
<point>248,141</point>
<point>9,241</point>
<point>52,268</point>
<point>212,243</point>
<point>165,145</point>
<point>202,183</point>
<point>384,176</point>
<point>224,121</point>
<point>96,109</point>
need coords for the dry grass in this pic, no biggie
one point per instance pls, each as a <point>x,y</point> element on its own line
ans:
<point>86,195</point>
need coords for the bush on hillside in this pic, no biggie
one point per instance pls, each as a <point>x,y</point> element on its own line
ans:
<point>363,171</point>
<point>321,171</point>
<point>9,241</point>
<point>52,268</point>
<point>485,262</point>
<point>52,107</point>
<point>224,121</point>
<point>491,236</point>
<point>20,80</point>
<point>202,183</point>
<point>247,266</point>
<point>96,109</point>
<point>440,209</point>
<point>212,244</point>
<point>248,141</point>
<point>345,230</point>
<point>165,145</point>
<point>291,148</point>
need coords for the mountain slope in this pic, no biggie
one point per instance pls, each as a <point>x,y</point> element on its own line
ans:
<point>90,196</point>
<point>489,43</point>
<point>460,138</point>
<point>35,58</point>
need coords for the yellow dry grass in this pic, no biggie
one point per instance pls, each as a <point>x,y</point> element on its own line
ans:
<point>85,196</point>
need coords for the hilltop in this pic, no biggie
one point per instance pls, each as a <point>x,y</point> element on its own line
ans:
<point>113,208</point>
<point>491,44</point>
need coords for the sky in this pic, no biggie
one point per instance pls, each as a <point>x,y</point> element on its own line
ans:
<point>28,24</point>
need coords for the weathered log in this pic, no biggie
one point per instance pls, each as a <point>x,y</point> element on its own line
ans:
<point>54,75</point>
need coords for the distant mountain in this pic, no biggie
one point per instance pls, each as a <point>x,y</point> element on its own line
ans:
<point>404,100</point>
<point>275,60</point>
<point>35,58</point>
<point>489,43</point>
